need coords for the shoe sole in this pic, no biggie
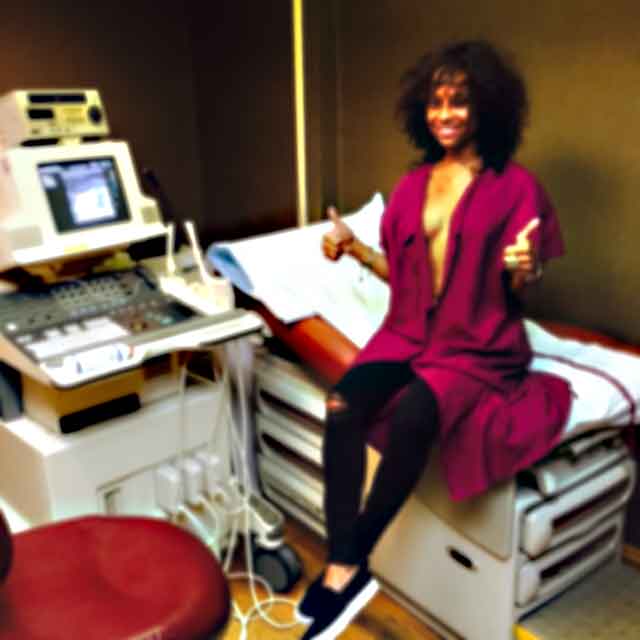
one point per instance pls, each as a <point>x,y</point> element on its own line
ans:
<point>302,618</point>
<point>350,612</point>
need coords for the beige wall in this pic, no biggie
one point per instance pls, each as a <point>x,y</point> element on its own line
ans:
<point>582,60</point>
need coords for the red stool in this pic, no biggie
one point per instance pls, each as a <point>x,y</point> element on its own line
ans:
<point>109,578</point>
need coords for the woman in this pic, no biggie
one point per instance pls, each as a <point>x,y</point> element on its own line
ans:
<point>462,234</point>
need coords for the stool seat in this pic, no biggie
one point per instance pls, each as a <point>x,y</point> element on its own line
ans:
<point>111,578</point>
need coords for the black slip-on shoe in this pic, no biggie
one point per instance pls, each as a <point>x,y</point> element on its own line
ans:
<point>338,609</point>
<point>311,602</point>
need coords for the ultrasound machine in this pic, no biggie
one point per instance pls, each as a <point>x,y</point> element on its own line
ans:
<point>74,199</point>
<point>97,413</point>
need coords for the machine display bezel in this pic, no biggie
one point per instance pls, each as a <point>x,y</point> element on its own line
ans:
<point>69,216</point>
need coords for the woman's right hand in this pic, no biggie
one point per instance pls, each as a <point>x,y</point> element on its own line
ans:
<point>339,239</point>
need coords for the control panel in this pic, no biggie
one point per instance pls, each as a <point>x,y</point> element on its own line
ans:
<point>28,115</point>
<point>76,331</point>
<point>68,315</point>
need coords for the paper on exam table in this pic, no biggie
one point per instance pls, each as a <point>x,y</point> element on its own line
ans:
<point>288,273</point>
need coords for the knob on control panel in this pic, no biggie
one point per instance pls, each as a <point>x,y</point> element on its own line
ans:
<point>95,114</point>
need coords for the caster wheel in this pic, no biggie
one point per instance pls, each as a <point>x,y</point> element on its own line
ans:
<point>280,567</point>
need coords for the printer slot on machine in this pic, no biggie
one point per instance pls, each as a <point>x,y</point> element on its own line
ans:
<point>80,341</point>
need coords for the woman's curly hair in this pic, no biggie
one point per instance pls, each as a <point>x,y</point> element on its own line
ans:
<point>498,99</point>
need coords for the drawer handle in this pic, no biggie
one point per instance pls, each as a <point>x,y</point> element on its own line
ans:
<point>461,558</point>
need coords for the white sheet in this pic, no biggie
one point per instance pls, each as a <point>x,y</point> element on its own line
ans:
<point>605,383</point>
<point>288,273</point>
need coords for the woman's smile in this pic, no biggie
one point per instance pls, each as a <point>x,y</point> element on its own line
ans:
<point>449,115</point>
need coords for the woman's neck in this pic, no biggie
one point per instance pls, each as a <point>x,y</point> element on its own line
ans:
<point>466,157</point>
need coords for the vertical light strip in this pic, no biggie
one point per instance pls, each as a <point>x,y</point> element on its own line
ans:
<point>299,107</point>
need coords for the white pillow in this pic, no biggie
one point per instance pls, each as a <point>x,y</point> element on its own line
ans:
<point>605,383</point>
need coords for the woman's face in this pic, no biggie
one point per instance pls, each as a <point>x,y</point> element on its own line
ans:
<point>449,113</point>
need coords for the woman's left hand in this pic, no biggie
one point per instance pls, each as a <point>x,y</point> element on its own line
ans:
<point>521,257</point>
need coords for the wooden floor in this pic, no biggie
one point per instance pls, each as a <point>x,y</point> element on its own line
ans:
<point>383,619</point>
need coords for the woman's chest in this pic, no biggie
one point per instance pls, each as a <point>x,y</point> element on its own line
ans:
<point>443,194</point>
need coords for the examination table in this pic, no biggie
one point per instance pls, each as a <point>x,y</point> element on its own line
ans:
<point>479,569</point>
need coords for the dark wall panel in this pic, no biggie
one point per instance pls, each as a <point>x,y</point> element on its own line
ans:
<point>137,54</point>
<point>322,75</point>
<point>201,90</point>
<point>243,70</point>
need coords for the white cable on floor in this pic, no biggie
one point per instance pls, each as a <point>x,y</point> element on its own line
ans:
<point>240,513</point>
<point>258,605</point>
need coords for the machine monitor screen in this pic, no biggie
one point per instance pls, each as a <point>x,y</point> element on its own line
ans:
<point>84,193</point>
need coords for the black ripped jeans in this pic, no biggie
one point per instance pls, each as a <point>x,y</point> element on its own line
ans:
<point>351,405</point>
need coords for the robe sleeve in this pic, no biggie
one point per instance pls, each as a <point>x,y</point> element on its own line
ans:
<point>533,202</point>
<point>384,236</point>
<point>386,221</point>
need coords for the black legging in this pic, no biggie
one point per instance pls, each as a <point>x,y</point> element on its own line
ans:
<point>351,405</point>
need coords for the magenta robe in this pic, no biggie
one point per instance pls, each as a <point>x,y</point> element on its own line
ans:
<point>470,345</point>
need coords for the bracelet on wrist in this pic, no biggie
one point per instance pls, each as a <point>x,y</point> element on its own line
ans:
<point>369,257</point>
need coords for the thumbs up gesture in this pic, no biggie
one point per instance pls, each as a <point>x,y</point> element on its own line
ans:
<point>339,238</point>
<point>521,256</point>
